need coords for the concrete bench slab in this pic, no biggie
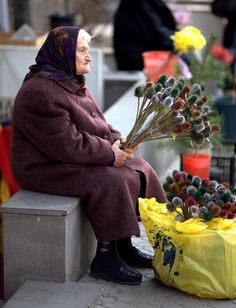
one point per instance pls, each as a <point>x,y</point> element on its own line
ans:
<point>46,237</point>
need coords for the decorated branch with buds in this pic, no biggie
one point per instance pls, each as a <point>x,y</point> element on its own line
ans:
<point>192,197</point>
<point>170,109</point>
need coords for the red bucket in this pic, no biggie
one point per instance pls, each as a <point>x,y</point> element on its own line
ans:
<point>157,63</point>
<point>197,164</point>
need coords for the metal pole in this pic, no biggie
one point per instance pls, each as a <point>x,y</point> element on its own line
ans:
<point>4,16</point>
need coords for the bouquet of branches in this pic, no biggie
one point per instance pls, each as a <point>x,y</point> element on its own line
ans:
<point>192,197</point>
<point>170,109</point>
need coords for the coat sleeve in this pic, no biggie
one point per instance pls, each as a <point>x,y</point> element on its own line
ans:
<point>45,120</point>
<point>115,133</point>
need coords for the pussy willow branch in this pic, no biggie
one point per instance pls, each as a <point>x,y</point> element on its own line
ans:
<point>185,212</point>
<point>161,136</point>
<point>141,116</point>
<point>181,214</point>
<point>137,119</point>
<point>155,123</point>
<point>138,108</point>
<point>137,135</point>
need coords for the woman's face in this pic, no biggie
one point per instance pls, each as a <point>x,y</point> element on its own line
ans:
<point>83,57</point>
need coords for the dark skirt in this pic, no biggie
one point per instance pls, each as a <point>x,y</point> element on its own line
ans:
<point>109,194</point>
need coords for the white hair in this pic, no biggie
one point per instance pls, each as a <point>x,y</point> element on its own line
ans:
<point>85,35</point>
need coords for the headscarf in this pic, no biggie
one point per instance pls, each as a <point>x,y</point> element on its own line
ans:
<point>56,58</point>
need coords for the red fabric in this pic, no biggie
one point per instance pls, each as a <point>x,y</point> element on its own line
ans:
<point>7,135</point>
<point>5,167</point>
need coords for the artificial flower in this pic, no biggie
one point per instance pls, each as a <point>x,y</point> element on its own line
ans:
<point>192,197</point>
<point>170,109</point>
<point>222,54</point>
<point>188,38</point>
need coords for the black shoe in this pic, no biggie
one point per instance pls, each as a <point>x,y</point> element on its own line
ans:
<point>133,256</point>
<point>139,259</point>
<point>118,272</point>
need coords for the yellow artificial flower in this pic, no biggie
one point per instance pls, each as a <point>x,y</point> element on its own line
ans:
<point>188,37</point>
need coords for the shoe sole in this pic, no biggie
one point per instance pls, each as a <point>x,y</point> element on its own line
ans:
<point>108,278</point>
<point>140,266</point>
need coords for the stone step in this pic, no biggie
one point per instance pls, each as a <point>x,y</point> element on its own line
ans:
<point>89,292</point>
<point>45,294</point>
<point>46,237</point>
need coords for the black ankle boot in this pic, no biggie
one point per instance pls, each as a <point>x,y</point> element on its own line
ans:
<point>133,256</point>
<point>108,265</point>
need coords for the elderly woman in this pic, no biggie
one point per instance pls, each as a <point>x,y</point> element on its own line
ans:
<point>63,145</point>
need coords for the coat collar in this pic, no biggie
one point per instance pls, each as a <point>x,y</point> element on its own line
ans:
<point>72,86</point>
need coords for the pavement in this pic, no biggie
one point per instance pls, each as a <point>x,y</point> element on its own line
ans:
<point>89,292</point>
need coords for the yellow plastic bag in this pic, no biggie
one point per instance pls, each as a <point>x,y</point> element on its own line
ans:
<point>5,192</point>
<point>194,256</point>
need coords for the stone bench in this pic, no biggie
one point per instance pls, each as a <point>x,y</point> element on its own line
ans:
<point>46,237</point>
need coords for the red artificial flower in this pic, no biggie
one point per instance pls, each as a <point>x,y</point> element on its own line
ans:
<point>187,181</point>
<point>217,51</point>
<point>182,196</point>
<point>204,99</point>
<point>221,53</point>
<point>227,206</point>
<point>200,142</point>
<point>185,92</point>
<point>186,125</point>
<point>230,215</point>
<point>178,176</point>
<point>215,128</point>
<point>191,201</point>
<point>206,182</point>
<point>223,213</point>
<point>178,104</point>
<point>177,129</point>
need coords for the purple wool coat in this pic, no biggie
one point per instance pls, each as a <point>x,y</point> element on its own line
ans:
<point>62,145</point>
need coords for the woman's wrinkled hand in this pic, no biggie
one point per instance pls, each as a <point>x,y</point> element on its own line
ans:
<point>122,139</point>
<point>131,150</point>
<point>128,150</point>
<point>120,155</point>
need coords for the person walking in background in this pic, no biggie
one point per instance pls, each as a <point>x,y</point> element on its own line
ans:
<point>141,26</point>
<point>63,145</point>
<point>227,9</point>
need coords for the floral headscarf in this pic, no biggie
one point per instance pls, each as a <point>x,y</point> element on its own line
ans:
<point>56,58</point>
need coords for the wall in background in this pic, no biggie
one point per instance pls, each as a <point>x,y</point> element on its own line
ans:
<point>90,12</point>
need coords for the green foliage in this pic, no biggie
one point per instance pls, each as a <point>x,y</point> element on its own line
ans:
<point>205,68</point>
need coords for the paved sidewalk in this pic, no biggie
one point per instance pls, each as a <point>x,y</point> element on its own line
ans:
<point>94,293</point>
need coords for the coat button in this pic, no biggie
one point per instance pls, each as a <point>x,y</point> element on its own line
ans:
<point>81,92</point>
<point>93,114</point>
<point>105,137</point>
